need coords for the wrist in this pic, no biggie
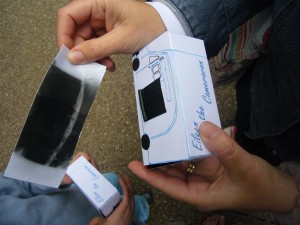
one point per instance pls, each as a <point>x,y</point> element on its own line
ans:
<point>271,190</point>
<point>292,216</point>
<point>157,26</point>
<point>170,21</point>
<point>287,193</point>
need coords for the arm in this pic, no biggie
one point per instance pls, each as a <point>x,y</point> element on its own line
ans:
<point>232,179</point>
<point>213,21</point>
<point>97,29</point>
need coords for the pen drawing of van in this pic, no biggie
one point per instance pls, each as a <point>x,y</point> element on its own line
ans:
<point>154,83</point>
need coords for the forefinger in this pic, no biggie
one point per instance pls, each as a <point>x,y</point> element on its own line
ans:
<point>69,18</point>
<point>174,186</point>
<point>127,190</point>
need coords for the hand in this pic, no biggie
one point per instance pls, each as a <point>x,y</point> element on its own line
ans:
<point>96,29</point>
<point>67,180</point>
<point>123,214</point>
<point>231,179</point>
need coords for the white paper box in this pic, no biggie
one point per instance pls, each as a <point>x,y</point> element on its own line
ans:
<point>98,190</point>
<point>174,95</point>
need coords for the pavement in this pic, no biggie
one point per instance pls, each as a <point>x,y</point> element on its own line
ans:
<point>110,133</point>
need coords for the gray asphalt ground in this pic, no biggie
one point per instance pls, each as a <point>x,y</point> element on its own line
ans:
<point>110,134</point>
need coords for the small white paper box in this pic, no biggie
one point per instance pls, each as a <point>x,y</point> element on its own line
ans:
<point>174,95</point>
<point>96,188</point>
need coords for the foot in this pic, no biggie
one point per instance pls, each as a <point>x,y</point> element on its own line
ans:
<point>214,220</point>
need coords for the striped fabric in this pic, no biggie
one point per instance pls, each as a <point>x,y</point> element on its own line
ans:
<point>246,43</point>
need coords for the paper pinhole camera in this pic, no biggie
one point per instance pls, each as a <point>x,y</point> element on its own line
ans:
<point>96,188</point>
<point>174,95</point>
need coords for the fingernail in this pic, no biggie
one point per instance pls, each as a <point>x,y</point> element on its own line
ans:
<point>76,57</point>
<point>208,130</point>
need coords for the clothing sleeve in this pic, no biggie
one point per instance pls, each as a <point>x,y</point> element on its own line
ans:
<point>213,21</point>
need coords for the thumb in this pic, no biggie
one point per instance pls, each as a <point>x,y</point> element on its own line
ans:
<point>97,48</point>
<point>222,146</point>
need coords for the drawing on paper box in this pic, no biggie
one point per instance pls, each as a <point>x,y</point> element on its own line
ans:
<point>172,83</point>
<point>156,93</point>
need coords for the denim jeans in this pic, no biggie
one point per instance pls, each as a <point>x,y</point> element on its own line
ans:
<point>23,203</point>
<point>273,106</point>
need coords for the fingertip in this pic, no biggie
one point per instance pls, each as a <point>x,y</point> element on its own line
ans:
<point>208,130</point>
<point>131,163</point>
<point>123,185</point>
<point>76,57</point>
<point>135,165</point>
<point>126,189</point>
<point>109,63</point>
<point>126,178</point>
<point>66,181</point>
<point>121,180</point>
<point>111,68</point>
<point>128,182</point>
<point>221,145</point>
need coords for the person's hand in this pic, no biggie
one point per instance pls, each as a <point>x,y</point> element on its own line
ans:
<point>123,214</point>
<point>231,179</point>
<point>66,179</point>
<point>96,29</point>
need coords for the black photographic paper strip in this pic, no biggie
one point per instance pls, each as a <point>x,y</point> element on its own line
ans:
<point>55,120</point>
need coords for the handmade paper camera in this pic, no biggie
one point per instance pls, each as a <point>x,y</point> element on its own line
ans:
<point>174,95</point>
<point>97,189</point>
